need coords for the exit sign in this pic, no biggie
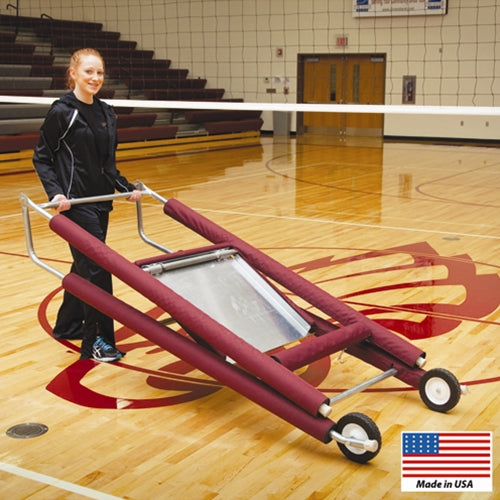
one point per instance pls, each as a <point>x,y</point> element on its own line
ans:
<point>341,41</point>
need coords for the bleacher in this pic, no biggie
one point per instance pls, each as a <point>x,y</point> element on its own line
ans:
<point>34,53</point>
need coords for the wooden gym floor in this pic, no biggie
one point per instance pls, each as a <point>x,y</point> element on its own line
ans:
<point>407,233</point>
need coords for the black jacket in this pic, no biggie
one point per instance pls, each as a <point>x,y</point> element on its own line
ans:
<point>67,159</point>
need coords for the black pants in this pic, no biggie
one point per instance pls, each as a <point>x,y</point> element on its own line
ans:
<point>74,315</point>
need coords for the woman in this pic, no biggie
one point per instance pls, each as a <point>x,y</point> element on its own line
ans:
<point>75,158</point>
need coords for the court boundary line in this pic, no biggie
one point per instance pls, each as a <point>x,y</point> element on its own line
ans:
<point>57,483</point>
<point>353,224</point>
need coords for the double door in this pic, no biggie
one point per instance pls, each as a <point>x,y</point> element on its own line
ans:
<point>341,79</point>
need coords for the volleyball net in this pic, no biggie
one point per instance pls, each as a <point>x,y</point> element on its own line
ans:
<point>403,59</point>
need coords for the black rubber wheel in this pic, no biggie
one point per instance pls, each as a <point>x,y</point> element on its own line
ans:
<point>439,390</point>
<point>358,426</point>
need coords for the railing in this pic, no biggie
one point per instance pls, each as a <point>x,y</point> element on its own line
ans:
<point>50,18</point>
<point>16,8</point>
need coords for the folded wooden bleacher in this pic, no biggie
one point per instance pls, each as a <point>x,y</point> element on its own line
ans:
<point>34,53</point>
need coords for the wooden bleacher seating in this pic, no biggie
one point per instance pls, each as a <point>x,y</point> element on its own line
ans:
<point>225,121</point>
<point>48,70</point>
<point>61,30</point>
<point>32,59</point>
<point>26,71</point>
<point>184,94</point>
<point>139,83</point>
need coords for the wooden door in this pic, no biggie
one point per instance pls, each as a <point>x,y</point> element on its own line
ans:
<point>342,79</point>
<point>323,85</point>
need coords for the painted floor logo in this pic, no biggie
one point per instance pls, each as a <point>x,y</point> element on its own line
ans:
<point>446,461</point>
<point>425,302</point>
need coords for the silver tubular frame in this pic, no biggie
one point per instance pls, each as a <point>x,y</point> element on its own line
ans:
<point>27,204</point>
<point>363,385</point>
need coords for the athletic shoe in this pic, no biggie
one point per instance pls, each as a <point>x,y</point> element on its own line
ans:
<point>102,351</point>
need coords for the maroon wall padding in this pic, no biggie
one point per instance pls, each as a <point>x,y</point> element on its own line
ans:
<point>196,355</point>
<point>314,348</point>
<point>334,308</point>
<point>219,337</point>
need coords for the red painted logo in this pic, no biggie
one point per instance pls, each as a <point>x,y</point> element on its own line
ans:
<point>437,293</point>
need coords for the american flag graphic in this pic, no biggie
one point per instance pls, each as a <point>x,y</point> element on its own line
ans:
<point>461,455</point>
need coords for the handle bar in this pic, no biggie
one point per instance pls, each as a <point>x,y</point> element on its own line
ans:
<point>41,209</point>
<point>105,197</point>
<point>88,199</point>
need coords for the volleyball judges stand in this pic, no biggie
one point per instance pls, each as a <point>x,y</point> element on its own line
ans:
<point>243,328</point>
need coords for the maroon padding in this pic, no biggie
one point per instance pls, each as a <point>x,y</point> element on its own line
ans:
<point>334,308</point>
<point>378,358</point>
<point>314,348</point>
<point>262,366</point>
<point>198,356</point>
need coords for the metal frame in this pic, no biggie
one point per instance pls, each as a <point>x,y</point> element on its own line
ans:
<point>253,357</point>
<point>27,204</point>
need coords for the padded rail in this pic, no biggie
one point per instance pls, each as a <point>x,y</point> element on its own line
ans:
<point>277,376</point>
<point>196,355</point>
<point>385,346</point>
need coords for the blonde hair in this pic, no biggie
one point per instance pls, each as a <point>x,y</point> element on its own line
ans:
<point>76,60</point>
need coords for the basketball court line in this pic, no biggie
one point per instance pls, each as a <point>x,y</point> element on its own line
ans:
<point>353,224</point>
<point>307,219</point>
<point>56,483</point>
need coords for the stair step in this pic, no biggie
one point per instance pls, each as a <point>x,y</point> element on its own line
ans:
<point>17,79</point>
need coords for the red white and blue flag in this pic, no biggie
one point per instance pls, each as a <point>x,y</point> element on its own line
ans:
<point>446,461</point>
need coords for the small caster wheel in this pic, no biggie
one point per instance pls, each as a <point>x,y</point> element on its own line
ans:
<point>361,428</point>
<point>439,390</point>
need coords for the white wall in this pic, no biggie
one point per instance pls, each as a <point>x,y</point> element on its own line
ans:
<point>233,43</point>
